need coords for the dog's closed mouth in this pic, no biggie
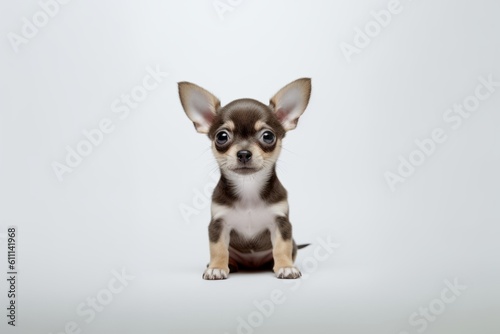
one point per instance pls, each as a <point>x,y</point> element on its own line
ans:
<point>244,170</point>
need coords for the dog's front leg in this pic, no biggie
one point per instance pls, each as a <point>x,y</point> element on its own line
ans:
<point>283,250</point>
<point>218,234</point>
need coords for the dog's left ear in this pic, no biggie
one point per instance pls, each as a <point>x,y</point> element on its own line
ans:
<point>291,102</point>
<point>199,104</point>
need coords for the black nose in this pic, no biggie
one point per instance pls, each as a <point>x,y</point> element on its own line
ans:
<point>244,156</point>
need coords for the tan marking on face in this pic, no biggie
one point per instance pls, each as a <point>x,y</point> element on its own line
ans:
<point>229,160</point>
<point>273,155</point>
<point>259,125</point>
<point>228,157</point>
<point>229,125</point>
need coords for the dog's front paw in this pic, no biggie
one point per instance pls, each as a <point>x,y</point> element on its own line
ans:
<point>215,273</point>
<point>288,273</point>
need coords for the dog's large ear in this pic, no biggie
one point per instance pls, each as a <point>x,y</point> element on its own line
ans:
<point>291,102</point>
<point>199,104</point>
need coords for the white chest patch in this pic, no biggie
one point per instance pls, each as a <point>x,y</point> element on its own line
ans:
<point>250,215</point>
<point>250,218</point>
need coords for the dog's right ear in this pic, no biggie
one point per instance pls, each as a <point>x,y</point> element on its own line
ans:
<point>199,104</point>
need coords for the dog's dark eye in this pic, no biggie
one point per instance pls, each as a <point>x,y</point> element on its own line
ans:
<point>268,137</point>
<point>221,137</point>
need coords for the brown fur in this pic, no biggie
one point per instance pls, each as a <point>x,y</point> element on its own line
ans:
<point>241,126</point>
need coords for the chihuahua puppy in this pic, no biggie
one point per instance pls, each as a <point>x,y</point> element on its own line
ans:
<point>250,226</point>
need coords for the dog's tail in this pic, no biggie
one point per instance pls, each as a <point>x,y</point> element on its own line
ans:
<point>302,246</point>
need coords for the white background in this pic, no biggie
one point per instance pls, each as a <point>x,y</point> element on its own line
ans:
<point>120,208</point>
